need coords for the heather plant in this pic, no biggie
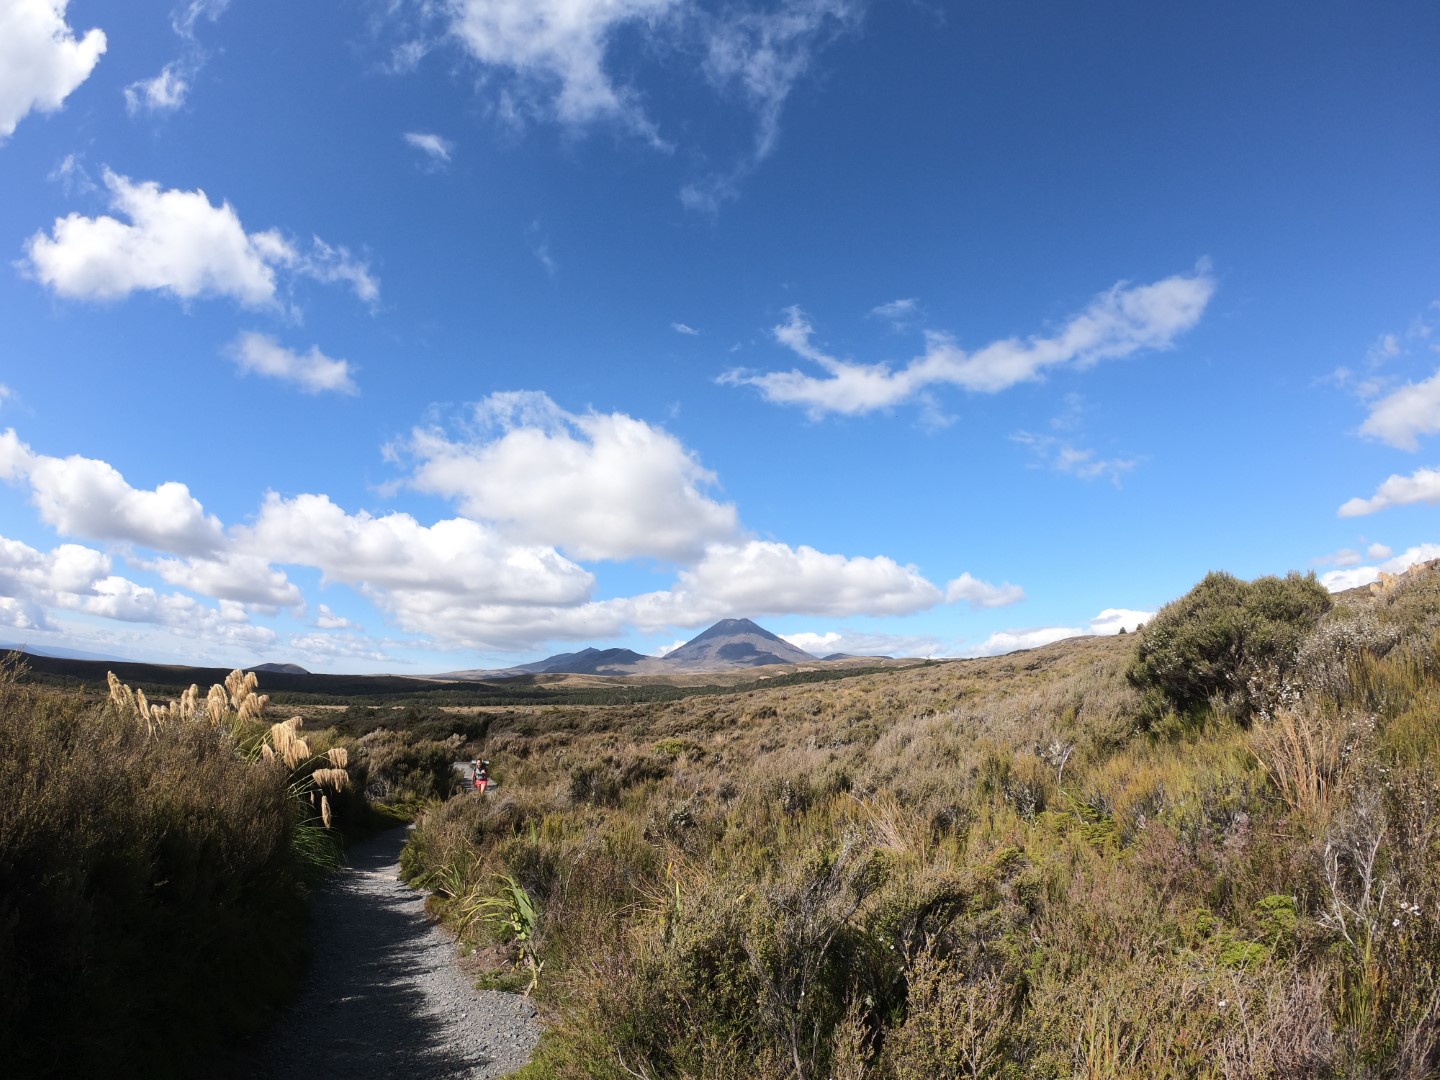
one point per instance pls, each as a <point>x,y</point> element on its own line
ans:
<point>1222,637</point>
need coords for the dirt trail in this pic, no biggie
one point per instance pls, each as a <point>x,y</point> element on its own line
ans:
<point>384,998</point>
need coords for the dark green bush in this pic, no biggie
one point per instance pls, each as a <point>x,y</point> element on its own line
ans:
<point>1223,639</point>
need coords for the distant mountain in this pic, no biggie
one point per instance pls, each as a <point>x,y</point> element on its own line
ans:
<point>852,656</point>
<point>60,654</point>
<point>587,662</point>
<point>735,643</point>
<point>284,669</point>
<point>728,645</point>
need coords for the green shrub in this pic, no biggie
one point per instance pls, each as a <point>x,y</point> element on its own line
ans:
<point>1225,639</point>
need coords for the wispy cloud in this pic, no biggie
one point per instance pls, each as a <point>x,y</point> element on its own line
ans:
<point>1120,321</point>
<point>898,313</point>
<point>434,147</point>
<point>683,328</point>
<point>168,90</point>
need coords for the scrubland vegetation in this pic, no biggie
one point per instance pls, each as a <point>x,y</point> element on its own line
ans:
<point>1209,849</point>
<point>153,866</point>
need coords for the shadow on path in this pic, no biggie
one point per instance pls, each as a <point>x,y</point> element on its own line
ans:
<point>383,997</point>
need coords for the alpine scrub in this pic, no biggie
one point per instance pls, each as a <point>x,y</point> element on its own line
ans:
<point>1070,862</point>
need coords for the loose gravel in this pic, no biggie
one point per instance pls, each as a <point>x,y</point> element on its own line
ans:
<point>384,997</point>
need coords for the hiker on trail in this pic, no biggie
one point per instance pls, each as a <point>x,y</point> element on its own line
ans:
<point>482,776</point>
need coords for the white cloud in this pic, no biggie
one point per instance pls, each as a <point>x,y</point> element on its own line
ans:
<point>555,49</point>
<point>548,59</point>
<point>77,578</point>
<point>1113,620</point>
<point>85,497</point>
<point>1422,486</point>
<point>326,647</point>
<point>1108,622</point>
<point>162,93</point>
<point>1340,580</point>
<point>457,559</point>
<point>1121,321</point>
<point>682,328</point>
<point>326,619</point>
<point>1379,551</point>
<point>860,644</point>
<point>177,242</point>
<point>598,485</point>
<point>41,62</point>
<point>767,578</point>
<point>666,650</point>
<point>898,312</point>
<point>762,54</point>
<point>167,91</point>
<point>1403,415</point>
<point>1008,641</point>
<point>1062,456</point>
<point>981,594</point>
<point>314,372</point>
<point>437,149</point>
<point>1343,557</point>
<point>1352,578</point>
<point>243,579</point>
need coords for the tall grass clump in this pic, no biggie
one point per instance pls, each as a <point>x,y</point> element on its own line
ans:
<point>152,875</point>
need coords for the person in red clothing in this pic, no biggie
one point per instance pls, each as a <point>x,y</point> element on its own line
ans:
<point>482,776</point>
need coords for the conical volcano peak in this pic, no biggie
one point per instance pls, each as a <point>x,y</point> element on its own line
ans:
<point>734,643</point>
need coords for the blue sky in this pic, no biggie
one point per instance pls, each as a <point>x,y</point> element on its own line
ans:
<point>415,336</point>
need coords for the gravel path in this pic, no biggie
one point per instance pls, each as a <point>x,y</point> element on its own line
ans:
<point>384,998</point>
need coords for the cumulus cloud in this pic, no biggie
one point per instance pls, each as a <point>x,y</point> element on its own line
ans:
<point>328,647</point>
<point>89,498</point>
<point>1421,486</point>
<point>41,61</point>
<point>242,579</point>
<point>862,644</point>
<point>1379,551</point>
<point>1403,415</point>
<point>1343,557</point>
<point>1354,577</point>
<point>1108,622</point>
<point>313,371</point>
<point>435,148</point>
<point>76,578</point>
<point>981,594</point>
<point>179,243</point>
<point>598,485</point>
<point>456,558</point>
<point>768,578</point>
<point>167,91</point>
<point>1123,320</point>
<point>326,619</point>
